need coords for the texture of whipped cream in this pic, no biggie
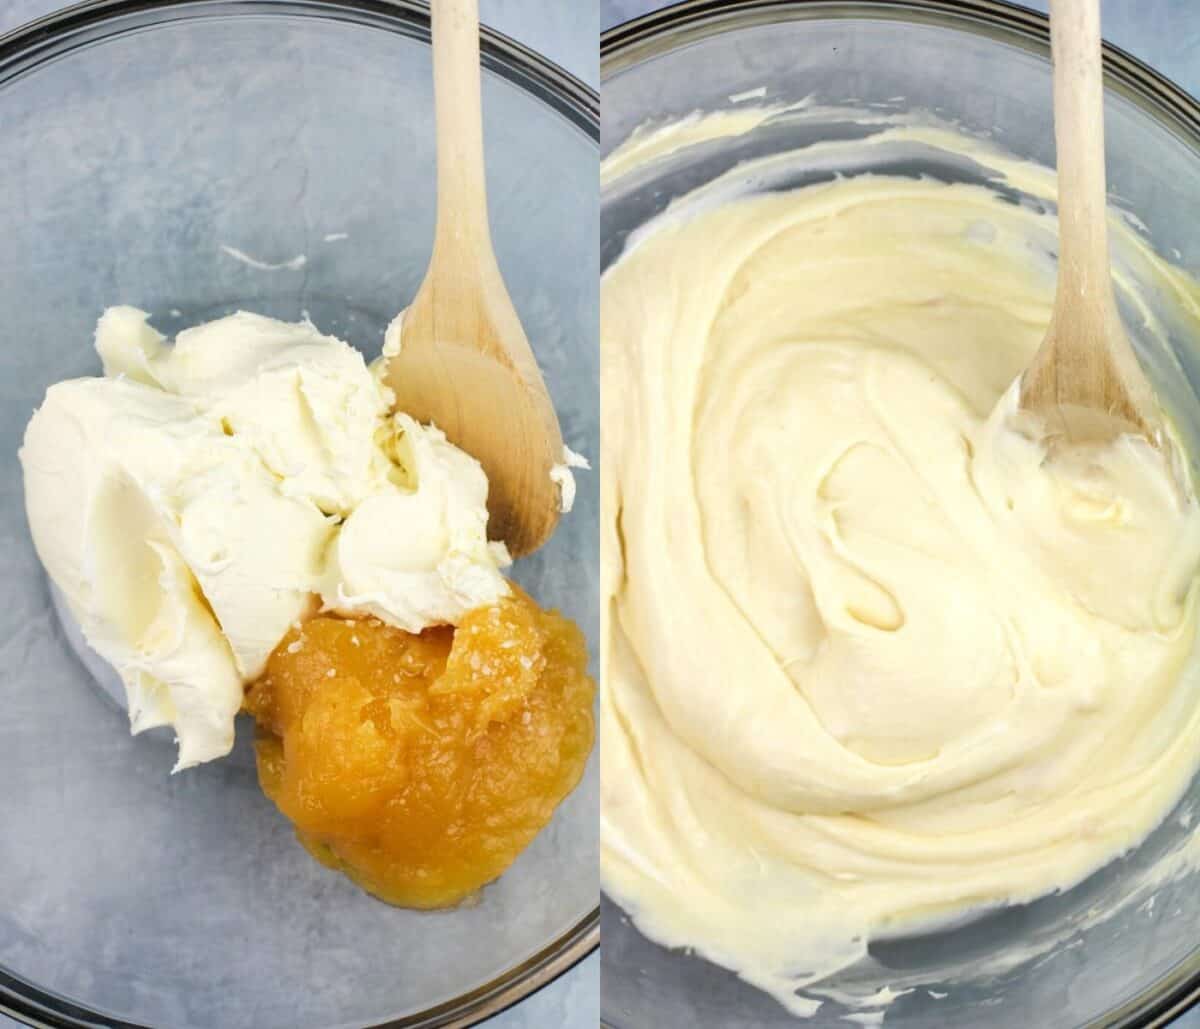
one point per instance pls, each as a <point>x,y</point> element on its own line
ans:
<point>875,654</point>
<point>200,498</point>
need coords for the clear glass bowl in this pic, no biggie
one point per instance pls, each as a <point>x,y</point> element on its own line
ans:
<point>984,66</point>
<point>136,141</point>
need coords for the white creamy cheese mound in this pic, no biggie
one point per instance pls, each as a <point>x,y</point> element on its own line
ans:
<point>200,498</point>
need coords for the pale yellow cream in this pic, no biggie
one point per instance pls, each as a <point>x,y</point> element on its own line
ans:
<point>871,657</point>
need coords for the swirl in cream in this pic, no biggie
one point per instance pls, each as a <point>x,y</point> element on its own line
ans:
<point>872,655</point>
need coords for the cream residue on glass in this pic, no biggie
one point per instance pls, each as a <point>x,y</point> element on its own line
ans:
<point>874,654</point>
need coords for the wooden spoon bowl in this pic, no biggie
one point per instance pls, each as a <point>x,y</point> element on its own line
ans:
<point>464,361</point>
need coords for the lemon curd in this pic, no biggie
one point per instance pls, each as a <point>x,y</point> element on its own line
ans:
<point>421,765</point>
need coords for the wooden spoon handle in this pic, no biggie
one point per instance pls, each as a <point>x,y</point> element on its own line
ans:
<point>1084,381</point>
<point>1083,267</point>
<point>462,220</point>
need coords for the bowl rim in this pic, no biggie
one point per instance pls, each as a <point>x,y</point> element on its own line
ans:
<point>688,21</point>
<point>34,44</point>
<point>31,45</point>
<point>633,42</point>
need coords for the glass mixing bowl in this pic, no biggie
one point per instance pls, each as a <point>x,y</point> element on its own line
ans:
<point>1117,950</point>
<point>142,146</point>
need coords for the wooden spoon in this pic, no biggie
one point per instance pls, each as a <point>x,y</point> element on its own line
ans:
<point>1085,380</point>
<point>464,362</point>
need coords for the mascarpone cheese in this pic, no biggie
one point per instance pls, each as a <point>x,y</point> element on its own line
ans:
<point>201,497</point>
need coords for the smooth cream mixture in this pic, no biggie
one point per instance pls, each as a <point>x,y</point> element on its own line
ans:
<point>872,655</point>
